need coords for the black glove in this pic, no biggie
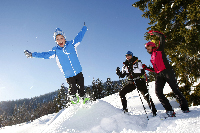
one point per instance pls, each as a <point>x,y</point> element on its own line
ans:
<point>118,71</point>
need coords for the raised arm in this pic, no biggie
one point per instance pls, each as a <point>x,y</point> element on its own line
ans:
<point>162,39</point>
<point>80,36</point>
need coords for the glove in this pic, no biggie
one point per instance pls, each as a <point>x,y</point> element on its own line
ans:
<point>157,33</point>
<point>118,71</point>
<point>28,54</point>
<point>144,66</point>
<point>151,32</point>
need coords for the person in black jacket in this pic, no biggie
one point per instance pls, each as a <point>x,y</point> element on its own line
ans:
<point>135,73</point>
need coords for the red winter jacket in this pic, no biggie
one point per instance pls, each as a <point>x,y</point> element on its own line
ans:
<point>158,57</point>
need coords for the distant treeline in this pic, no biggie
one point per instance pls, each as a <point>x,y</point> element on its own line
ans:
<point>24,110</point>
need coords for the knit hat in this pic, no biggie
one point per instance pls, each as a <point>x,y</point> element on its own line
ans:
<point>129,53</point>
<point>58,32</point>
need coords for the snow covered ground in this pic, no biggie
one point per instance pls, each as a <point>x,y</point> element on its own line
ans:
<point>105,116</point>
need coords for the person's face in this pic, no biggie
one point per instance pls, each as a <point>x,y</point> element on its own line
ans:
<point>149,49</point>
<point>60,39</point>
<point>128,57</point>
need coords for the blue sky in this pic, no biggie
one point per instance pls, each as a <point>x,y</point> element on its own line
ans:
<point>114,27</point>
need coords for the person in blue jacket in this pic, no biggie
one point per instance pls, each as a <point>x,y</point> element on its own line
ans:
<point>67,59</point>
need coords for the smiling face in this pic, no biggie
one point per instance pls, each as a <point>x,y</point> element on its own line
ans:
<point>128,57</point>
<point>149,49</point>
<point>60,39</point>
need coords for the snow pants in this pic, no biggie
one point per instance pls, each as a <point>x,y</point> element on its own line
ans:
<point>168,75</point>
<point>141,86</point>
<point>76,83</point>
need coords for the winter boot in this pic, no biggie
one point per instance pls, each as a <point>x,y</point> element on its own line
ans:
<point>185,111</point>
<point>125,110</point>
<point>154,110</point>
<point>171,113</point>
<point>154,113</point>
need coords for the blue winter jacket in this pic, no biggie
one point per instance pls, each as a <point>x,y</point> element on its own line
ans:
<point>66,57</point>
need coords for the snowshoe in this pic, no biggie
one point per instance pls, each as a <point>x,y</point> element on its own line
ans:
<point>85,99</point>
<point>171,113</point>
<point>74,99</point>
<point>125,111</point>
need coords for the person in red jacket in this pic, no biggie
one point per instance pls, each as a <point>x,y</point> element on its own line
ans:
<point>165,73</point>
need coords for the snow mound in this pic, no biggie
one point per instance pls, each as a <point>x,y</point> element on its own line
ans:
<point>100,117</point>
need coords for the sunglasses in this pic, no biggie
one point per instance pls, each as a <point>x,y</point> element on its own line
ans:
<point>128,55</point>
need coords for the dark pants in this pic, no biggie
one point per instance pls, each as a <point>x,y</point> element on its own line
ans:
<point>141,86</point>
<point>168,75</point>
<point>76,83</point>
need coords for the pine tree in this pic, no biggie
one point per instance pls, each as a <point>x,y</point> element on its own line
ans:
<point>24,113</point>
<point>195,96</point>
<point>88,92</point>
<point>61,100</point>
<point>116,87</point>
<point>94,90</point>
<point>151,76</point>
<point>124,82</point>
<point>15,116</point>
<point>1,121</point>
<point>179,21</point>
<point>109,87</point>
<point>97,88</point>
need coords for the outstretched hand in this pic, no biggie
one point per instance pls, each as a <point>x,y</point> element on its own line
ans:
<point>151,32</point>
<point>28,54</point>
<point>144,66</point>
<point>85,26</point>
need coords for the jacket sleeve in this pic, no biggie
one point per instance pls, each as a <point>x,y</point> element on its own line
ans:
<point>162,40</point>
<point>44,55</point>
<point>79,36</point>
<point>150,69</point>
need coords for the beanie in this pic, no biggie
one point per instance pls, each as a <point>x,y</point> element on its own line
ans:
<point>58,32</point>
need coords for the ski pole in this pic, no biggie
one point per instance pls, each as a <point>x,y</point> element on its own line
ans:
<point>146,79</point>
<point>150,99</point>
<point>141,100</point>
